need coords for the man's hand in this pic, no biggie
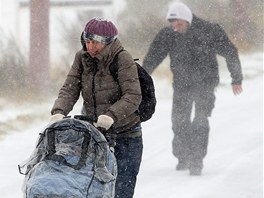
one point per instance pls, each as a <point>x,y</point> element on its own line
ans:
<point>237,89</point>
<point>104,121</point>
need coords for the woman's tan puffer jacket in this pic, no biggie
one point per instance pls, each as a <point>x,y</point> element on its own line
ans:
<point>102,94</point>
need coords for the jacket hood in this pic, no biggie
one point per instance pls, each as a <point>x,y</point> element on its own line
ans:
<point>83,42</point>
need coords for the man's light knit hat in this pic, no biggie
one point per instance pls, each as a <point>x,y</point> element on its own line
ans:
<point>180,11</point>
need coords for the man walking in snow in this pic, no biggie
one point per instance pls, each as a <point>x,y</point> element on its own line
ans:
<point>192,45</point>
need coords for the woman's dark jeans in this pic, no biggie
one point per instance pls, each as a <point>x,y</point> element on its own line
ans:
<point>128,152</point>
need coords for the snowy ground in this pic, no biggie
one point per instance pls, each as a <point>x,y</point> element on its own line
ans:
<point>233,167</point>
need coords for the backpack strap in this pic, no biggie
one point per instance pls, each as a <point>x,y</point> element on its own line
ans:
<point>147,106</point>
<point>114,66</point>
<point>114,69</point>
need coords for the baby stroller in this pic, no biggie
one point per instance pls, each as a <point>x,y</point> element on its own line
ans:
<point>72,159</point>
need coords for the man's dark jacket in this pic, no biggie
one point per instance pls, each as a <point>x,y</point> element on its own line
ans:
<point>193,54</point>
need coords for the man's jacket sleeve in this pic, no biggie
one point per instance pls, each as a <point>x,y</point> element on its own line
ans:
<point>157,52</point>
<point>226,48</point>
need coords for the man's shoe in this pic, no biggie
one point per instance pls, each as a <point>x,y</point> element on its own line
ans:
<point>195,171</point>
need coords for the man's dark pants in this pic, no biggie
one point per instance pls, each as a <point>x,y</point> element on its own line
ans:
<point>191,135</point>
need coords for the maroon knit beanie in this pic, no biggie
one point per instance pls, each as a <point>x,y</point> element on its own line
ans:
<point>100,30</point>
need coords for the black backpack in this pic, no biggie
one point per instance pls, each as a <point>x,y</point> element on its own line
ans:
<point>148,103</point>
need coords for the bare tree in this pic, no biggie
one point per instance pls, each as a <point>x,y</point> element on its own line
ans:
<point>140,21</point>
